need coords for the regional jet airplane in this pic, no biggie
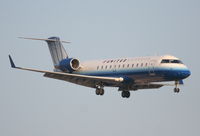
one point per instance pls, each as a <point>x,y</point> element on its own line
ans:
<point>127,74</point>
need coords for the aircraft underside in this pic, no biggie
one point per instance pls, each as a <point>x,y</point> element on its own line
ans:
<point>131,83</point>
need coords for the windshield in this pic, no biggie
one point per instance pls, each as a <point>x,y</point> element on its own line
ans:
<point>171,61</point>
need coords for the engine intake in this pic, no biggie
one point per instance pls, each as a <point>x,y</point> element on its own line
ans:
<point>69,65</point>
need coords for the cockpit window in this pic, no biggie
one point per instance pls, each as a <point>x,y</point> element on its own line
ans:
<point>171,61</point>
<point>176,61</point>
<point>165,61</point>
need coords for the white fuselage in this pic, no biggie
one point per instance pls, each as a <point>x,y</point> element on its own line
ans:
<point>139,69</point>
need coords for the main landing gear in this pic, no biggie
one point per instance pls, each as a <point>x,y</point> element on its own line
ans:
<point>99,90</point>
<point>176,89</point>
<point>125,94</point>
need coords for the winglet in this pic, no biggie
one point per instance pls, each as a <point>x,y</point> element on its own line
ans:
<point>11,62</point>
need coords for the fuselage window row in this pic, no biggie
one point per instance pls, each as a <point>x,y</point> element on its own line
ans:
<point>123,66</point>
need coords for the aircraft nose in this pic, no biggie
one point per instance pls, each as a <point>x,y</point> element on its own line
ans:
<point>186,73</point>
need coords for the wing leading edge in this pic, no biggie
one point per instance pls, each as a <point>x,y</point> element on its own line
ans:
<point>85,80</point>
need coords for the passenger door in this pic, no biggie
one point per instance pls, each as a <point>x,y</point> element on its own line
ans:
<point>151,68</point>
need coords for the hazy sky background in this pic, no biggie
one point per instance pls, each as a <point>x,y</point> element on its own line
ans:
<point>31,105</point>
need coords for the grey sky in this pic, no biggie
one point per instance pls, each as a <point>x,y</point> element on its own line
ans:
<point>33,105</point>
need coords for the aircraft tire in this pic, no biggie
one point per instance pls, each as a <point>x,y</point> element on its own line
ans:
<point>176,90</point>
<point>97,91</point>
<point>101,92</point>
<point>125,94</point>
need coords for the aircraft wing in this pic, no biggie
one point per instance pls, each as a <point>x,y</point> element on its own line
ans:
<point>85,80</point>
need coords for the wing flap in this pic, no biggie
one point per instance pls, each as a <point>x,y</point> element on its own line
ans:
<point>89,81</point>
<point>71,79</point>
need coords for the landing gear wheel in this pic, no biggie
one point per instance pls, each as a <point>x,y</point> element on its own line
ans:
<point>125,94</point>
<point>176,90</point>
<point>97,91</point>
<point>101,92</point>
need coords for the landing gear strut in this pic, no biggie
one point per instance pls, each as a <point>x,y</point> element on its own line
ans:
<point>125,94</point>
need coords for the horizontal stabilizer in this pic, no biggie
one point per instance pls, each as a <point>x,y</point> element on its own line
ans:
<point>47,40</point>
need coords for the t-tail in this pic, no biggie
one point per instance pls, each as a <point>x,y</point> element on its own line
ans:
<point>59,56</point>
<point>57,50</point>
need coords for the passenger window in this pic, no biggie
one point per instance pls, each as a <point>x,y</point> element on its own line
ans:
<point>132,65</point>
<point>97,67</point>
<point>101,67</point>
<point>119,66</point>
<point>141,64</point>
<point>127,65</point>
<point>137,65</point>
<point>110,66</point>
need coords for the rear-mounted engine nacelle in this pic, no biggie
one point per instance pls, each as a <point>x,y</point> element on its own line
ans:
<point>69,65</point>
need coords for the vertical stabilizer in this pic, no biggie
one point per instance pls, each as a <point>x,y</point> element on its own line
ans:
<point>57,50</point>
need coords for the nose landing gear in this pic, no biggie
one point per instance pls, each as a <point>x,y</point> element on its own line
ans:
<point>176,89</point>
